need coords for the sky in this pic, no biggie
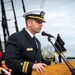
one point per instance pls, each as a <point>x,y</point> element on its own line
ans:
<point>59,17</point>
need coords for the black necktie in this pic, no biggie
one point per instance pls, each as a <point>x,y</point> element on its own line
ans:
<point>35,41</point>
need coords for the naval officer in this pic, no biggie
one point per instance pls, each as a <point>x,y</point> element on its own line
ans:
<point>23,50</point>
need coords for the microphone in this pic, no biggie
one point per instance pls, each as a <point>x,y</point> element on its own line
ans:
<point>46,34</point>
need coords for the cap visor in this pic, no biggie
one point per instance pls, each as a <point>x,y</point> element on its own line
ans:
<point>39,21</point>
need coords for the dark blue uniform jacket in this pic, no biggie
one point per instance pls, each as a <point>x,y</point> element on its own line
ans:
<point>21,53</point>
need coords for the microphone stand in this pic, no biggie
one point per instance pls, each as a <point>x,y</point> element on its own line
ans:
<point>65,60</point>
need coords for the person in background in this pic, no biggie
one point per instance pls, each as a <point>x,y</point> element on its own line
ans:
<point>3,69</point>
<point>23,49</point>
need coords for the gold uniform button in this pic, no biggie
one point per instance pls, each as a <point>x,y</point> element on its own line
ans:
<point>35,61</point>
<point>21,63</point>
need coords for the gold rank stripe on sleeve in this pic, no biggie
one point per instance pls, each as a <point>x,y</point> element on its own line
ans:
<point>25,67</point>
<point>36,17</point>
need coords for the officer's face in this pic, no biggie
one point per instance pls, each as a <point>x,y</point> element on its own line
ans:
<point>35,26</point>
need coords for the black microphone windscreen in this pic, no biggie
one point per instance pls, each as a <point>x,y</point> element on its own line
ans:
<point>46,34</point>
<point>43,33</point>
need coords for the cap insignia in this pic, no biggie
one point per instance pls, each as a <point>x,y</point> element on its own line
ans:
<point>42,14</point>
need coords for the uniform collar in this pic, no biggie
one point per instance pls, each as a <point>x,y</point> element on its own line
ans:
<point>29,32</point>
